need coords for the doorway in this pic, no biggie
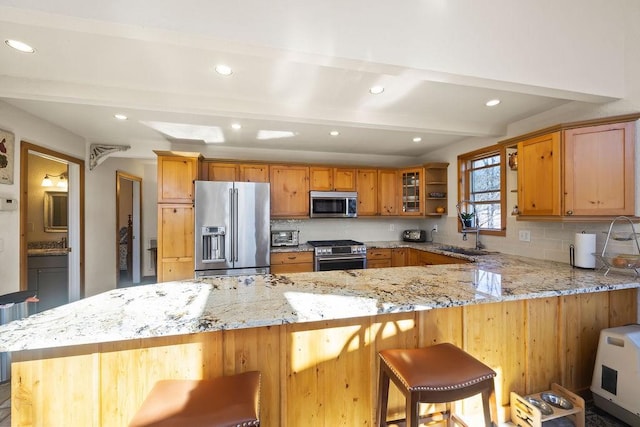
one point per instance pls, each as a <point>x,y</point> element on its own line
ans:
<point>51,225</point>
<point>128,229</point>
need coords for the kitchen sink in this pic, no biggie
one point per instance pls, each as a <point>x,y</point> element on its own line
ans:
<point>464,251</point>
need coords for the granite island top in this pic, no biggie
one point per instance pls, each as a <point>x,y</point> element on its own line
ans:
<point>212,304</point>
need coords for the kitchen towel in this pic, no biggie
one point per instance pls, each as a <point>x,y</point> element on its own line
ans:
<point>585,247</point>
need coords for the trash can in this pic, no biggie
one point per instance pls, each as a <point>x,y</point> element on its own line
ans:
<point>13,306</point>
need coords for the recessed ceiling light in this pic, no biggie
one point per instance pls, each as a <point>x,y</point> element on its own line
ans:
<point>120,116</point>
<point>492,102</point>
<point>18,45</point>
<point>236,126</point>
<point>417,139</point>
<point>334,133</point>
<point>376,90</point>
<point>223,70</point>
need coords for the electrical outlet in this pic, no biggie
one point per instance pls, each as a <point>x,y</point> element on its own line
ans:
<point>392,227</point>
<point>435,228</point>
<point>524,235</point>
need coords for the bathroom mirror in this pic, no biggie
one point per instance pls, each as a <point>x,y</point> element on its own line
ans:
<point>55,211</point>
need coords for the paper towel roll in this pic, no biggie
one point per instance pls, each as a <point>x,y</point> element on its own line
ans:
<point>585,246</point>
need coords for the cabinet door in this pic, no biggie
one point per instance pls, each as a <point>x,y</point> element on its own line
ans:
<point>222,171</point>
<point>175,242</point>
<point>367,188</point>
<point>599,170</point>
<point>411,192</point>
<point>379,263</point>
<point>254,173</point>
<point>53,287</point>
<point>321,178</point>
<point>388,192</point>
<point>539,175</point>
<point>289,191</point>
<point>399,257</point>
<point>344,179</point>
<point>175,178</point>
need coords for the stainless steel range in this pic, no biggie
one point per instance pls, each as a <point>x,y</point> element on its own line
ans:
<point>338,255</point>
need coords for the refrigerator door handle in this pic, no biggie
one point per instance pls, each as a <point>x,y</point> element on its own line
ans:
<point>235,225</point>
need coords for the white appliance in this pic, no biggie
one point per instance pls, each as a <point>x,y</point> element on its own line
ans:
<point>616,375</point>
<point>232,228</point>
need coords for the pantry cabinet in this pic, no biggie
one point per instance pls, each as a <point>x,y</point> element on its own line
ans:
<point>175,242</point>
<point>289,191</point>
<point>367,188</point>
<point>176,175</point>
<point>388,187</point>
<point>323,178</point>
<point>599,176</point>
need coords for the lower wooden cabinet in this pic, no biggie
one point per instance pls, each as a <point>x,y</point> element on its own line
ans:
<point>418,257</point>
<point>291,262</point>
<point>399,257</point>
<point>378,258</point>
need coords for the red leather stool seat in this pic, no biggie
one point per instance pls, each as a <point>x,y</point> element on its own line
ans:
<point>221,402</point>
<point>442,373</point>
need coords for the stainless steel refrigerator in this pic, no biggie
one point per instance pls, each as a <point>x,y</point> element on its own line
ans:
<point>232,234</point>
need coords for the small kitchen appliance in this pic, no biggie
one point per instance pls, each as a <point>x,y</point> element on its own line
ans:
<point>333,204</point>
<point>616,374</point>
<point>414,235</point>
<point>338,255</point>
<point>232,228</point>
<point>281,238</point>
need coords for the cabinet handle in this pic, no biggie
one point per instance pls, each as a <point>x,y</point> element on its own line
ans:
<point>569,212</point>
<point>291,257</point>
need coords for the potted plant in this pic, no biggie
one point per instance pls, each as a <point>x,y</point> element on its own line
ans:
<point>467,219</point>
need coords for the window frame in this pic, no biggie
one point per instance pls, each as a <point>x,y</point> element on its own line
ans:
<point>464,162</point>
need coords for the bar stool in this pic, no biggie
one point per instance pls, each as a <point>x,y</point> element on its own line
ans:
<point>226,401</point>
<point>441,373</point>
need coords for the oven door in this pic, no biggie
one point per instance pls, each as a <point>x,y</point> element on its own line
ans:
<point>340,262</point>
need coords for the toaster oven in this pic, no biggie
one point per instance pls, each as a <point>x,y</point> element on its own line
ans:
<point>284,238</point>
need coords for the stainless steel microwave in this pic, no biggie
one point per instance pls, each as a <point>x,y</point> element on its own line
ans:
<point>333,204</point>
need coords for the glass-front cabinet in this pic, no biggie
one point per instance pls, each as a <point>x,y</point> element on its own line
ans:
<point>412,191</point>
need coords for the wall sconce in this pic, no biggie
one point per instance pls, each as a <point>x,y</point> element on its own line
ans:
<point>62,180</point>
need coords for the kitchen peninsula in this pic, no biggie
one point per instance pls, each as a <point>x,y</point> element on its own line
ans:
<point>314,337</point>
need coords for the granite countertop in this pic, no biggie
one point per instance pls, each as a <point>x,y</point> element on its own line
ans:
<point>212,304</point>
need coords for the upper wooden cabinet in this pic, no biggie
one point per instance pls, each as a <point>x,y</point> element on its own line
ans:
<point>219,171</point>
<point>412,191</point>
<point>176,174</point>
<point>367,188</point>
<point>585,171</point>
<point>388,187</point>
<point>289,190</point>
<point>539,191</point>
<point>323,178</point>
<point>599,176</point>
<point>245,172</point>
<point>435,189</point>
<point>254,173</point>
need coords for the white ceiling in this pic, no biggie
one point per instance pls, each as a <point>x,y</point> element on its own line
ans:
<point>298,66</point>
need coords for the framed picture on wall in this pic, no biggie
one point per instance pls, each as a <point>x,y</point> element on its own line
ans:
<point>6,157</point>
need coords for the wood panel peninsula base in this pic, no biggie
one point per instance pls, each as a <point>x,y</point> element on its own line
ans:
<point>324,372</point>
